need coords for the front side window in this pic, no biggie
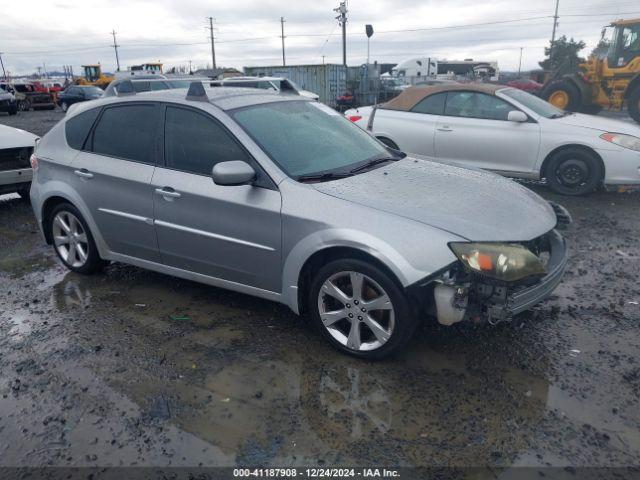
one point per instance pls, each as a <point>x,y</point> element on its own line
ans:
<point>128,132</point>
<point>432,105</point>
<point>194,142</point>
<point>306,138</point>
<point>476,105</point>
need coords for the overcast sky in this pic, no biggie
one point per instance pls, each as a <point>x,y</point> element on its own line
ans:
<point>73,32</point>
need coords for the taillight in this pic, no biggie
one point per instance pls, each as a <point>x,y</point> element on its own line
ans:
<point>354,118</point>
<point>34,161</point>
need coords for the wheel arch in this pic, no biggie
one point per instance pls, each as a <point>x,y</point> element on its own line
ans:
<point>330,254</point>
<point>579,146</point>
<point>60,193</point>
<point>327,245</point>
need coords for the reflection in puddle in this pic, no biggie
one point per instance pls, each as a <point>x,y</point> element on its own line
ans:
<point>353,402</point>
<point>249,378</point>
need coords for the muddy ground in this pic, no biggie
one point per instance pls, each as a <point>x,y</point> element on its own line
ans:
<point>130,367</point>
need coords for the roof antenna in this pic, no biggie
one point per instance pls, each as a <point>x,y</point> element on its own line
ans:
<point>197,92</point>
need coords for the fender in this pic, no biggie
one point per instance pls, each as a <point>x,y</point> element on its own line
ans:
<point>342,237</point>
<point>56,188</point>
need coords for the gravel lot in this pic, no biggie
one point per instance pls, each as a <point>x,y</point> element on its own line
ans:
<point>130,367</point>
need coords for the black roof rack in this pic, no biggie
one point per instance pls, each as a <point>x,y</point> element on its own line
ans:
<point>197,92</point>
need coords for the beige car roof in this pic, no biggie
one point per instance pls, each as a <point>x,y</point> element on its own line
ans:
<point>413,95</point>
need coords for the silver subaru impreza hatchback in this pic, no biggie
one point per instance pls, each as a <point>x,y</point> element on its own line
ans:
<point>283,198</point>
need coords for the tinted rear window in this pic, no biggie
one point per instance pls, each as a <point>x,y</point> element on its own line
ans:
<point>77,128</point>
<point>128,132</point>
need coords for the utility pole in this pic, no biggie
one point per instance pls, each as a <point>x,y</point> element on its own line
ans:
<point>520,64</point>
<point>4,74</point>
<point>284,63</point>
<point>323,59</point>
<point>115,47</point>
<point>213,48</point>
<point>342,21</point>
<point>553,33</point>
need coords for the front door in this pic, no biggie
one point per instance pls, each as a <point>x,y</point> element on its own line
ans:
<point>475,131</point>
<point>228,232</point>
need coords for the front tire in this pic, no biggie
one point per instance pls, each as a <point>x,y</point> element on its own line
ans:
<point>360,309</point>
<point>563,94</point>
<point>633,105</point>
<point>574,171</point>
<point>72,240</point>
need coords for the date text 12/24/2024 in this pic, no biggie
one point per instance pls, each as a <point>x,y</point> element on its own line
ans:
<point>316,472</point>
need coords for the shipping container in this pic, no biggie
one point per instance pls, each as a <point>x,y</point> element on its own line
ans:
<point>329,81</point>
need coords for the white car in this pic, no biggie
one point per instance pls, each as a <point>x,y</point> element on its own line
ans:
<point>510,132</point>
<point>278,84</point>
<point>16,147</point>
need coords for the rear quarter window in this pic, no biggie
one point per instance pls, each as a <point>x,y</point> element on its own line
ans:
<point>77,128</point>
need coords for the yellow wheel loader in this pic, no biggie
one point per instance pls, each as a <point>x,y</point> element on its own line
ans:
<point>93,76</point>
<point>610,80</point>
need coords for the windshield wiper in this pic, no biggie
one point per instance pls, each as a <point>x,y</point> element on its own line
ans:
<point>322,177</point>
<point>373,163</point>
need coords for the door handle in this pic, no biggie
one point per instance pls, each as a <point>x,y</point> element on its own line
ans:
<point>168,193</point>
<point>445,128</point>
<point>83,173</point>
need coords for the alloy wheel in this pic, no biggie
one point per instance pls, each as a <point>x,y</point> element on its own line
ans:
<point>356,311</point>
<point>64,106</point>
<point>70,239</point>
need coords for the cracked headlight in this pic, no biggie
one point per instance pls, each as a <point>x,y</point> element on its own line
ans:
<point>622,140</point>
<point>501,261</point>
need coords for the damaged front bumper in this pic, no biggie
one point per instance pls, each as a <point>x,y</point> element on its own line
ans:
<point>480,299</point>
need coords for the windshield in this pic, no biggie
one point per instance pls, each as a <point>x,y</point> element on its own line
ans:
<point>308,138</point>
<point>533,103</point>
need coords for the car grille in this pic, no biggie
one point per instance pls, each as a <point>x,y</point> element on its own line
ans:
<point>15,158</point>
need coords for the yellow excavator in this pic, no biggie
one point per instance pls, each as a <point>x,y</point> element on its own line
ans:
<point>93,76</point>
<point>608,79</point>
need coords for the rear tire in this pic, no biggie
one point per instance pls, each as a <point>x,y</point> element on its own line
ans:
<point>563,94</point>
<point>13,109</point>
<point>371,321</point>
<point>633,104</point>
<point>72,240</point>
<point>574,171</point>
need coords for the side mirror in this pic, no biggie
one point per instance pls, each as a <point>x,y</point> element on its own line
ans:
<point>234,172</point>
<point>517,116</point>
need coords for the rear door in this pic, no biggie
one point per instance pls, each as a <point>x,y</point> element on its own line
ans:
<point>414,131</point>
<point>228,232</point>
<point>474,131</point>
<point>113,176</point>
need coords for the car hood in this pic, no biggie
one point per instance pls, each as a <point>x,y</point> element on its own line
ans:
<point>472,204</point>
<point>594,122</point>
<point>14,138</point>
